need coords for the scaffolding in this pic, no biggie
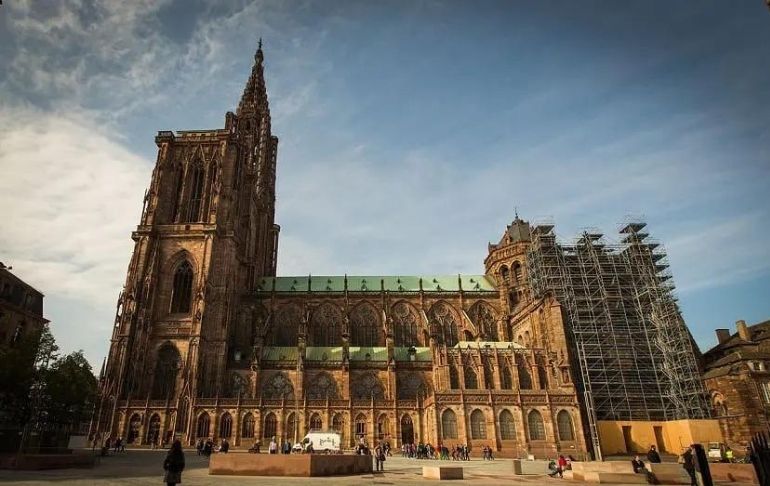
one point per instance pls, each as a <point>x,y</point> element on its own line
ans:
<point>635,355</point>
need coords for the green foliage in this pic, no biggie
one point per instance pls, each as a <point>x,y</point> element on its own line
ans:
<point>34,379</point>
<point>69,390</point>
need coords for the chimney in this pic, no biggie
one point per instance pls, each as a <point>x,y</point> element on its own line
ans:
<point>743,330</point>
<point>723,335</point>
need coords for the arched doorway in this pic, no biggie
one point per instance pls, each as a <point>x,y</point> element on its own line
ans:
<point>153,431</point>
<point>407,430</point>
<point>133,428</point>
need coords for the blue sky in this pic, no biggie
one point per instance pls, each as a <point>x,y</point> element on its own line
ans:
<point>409,133</point>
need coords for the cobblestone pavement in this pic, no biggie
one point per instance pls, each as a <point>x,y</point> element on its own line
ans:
<point>136,467</point>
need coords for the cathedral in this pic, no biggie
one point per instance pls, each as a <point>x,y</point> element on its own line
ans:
<point>209,342</point>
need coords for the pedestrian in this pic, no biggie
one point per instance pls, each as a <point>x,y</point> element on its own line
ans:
<point>638,465</point>
<point>653,456</point>
<point>561,465</point>
<point>208,447</point>
<point>199,446</point>
<point>273,447</point>
<point>224,447</point>
<point>688,463</point>
<point>174,464</point>
<point>379,457</point>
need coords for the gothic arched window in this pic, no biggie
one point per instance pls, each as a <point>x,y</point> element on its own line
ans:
<point>367,386</point>
<point>383,427</point>
<point>325,326</point>
<point>405,325</point>
<point>226,426</point>
<point>247,431</point>
<point>315,422</point>
<point>506,380</point>
<point>271,425</point>
<point>517,273</point>
<point>286,325</point>
<point>483,317</point>
<point>322,387</point>
<point>365,326</point>
<point>448,425</point>
<point>504,273</point>
<point>166,369</point>
<point>564,424</point>
<point>411,387</point>
<point>478,425</point>
<point>181,292</point>
<point>454,378</point>
<point>178,182</point>
<point>196,194</point>
<point>202,430</point>
<point>277,386</point>
<point>507,429</point>
<point>535,426</point>
<point>444,319</point>
<point>360,425</point>
<point>338,423</point>
<point>525,379</point>
<point>471,380</point>
<point>291,427</point>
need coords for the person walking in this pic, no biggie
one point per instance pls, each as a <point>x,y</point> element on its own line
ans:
<point>688,463</point>
<point>379,457</point>
<point>174,464</point>
<point>561,465</point>
<point>273,447</point>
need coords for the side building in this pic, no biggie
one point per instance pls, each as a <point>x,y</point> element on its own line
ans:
<point>737,375</point>
<point>21,308</point>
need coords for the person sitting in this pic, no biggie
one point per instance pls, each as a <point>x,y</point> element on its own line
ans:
<point>653,456</point>
<point>553,468</point>
<point>638,465</point>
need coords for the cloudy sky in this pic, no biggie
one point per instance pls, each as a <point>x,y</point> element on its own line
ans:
<point>409,133</point>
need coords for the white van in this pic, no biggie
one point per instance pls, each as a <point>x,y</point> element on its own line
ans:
<point>325,442</point>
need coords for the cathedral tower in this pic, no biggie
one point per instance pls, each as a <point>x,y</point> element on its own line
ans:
<point>206,234</point>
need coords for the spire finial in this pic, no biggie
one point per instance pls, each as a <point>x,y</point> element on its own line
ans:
<point>260,44</point>
<point>259,57</point>
<point>516,212</point>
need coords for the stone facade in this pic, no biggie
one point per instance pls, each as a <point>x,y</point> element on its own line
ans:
<point>21,308</point>
<point>208,342</point>
<point>737,375</point>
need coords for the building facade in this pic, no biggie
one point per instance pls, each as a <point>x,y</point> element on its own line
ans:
<point>209,342</point>
<point>737,375</point>
<point>21,308</point>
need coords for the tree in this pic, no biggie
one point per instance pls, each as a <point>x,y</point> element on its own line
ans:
<point>69,390</point>
<point>17,375</point>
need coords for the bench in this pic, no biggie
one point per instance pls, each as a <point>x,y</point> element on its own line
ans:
<point>442,472</point>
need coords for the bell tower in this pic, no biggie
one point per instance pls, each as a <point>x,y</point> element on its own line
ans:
<point>206,233</point>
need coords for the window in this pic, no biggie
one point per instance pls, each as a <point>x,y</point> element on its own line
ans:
<point>286,324</point>
<point>517,272</point>
<point>506,381</point>
<point>564,423</point>
<point>405,325</point>
<point>315,422</point>
<point>325,326</point>
<point>765,391</point>
<point>525,380</point>
<point>361,425</point>
<point>247,431</point>
<point>291,427</point>
<point>454,378</point>
<point>226,426</point>
<point>471,381</point>
<point>277,386</point>
<point>407,430</point>
<point>153,431</point>
<point>449,425</point>
<point>443,317</point>
<point>483,317</point>
<point>322,387</point>
<point>536,426</point>
<point>504,273</point>
<point>507,430</point>
<point>203,425</point>
<point>270,426</point>
<point>478,425</point>
<point>365,327</point>
<point>166,369</point>
<point>196,194</point>
<point>410,386</point>
<point>181,293</point>
<point>367,386</point>
<point>383,427</point>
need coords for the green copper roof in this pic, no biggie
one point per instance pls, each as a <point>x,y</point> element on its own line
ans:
<point>421,354</point>
<point>490,344</point>
<point>337,283</point>
<point>368,354</point>
<point>279,353</point>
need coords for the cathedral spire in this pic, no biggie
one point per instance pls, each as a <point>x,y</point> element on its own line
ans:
<point>254,94</point>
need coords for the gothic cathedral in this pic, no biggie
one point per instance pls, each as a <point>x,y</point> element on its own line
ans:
<point>208,342</point>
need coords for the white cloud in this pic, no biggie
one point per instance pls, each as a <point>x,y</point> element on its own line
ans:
<point>71,196</point>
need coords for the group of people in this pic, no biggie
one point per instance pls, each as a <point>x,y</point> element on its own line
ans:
<point>208,446</point>
<point>427,451</point>
<point>559,465</point>
<point>116,444</point>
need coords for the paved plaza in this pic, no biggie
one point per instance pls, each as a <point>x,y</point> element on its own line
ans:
<point>145,467</point>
